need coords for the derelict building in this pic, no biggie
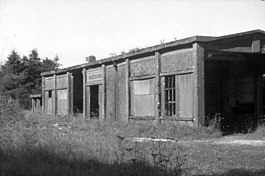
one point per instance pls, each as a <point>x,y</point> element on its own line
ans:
<point>189,80</point>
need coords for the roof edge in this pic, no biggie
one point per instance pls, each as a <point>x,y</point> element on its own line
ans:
<point>154,48</point>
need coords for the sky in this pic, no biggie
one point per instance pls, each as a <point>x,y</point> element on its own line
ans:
<point>75,29</point>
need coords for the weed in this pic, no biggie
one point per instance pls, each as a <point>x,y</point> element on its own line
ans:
<point>77,146</point>
<point>10,111</point>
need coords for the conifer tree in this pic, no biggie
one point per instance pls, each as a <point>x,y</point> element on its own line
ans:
<point>20,77</point>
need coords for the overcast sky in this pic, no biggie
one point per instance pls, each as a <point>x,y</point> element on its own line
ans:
<point>74,29</point>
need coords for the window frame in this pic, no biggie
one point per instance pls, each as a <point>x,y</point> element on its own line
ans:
<point>134,96</point>
<point>170,98</point>
<point>178,96</point>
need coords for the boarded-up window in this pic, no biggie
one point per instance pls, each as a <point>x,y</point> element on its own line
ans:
<point>62,101</point>
<point>143,97</point>
<point>185,95</point>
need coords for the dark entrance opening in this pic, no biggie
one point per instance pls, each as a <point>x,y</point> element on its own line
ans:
<point>231,97</point>
<point>94,103</point>
<point>262,119</point>
<point>77,91</point>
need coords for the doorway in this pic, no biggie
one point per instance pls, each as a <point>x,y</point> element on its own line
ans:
<point>94,101</point>
<point>262,117</point>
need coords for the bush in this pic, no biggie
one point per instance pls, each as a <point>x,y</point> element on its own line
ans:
<point>10,111</point>
<point>260,131</point>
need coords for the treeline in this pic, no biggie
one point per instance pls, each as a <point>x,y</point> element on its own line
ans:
<point>21,76</point>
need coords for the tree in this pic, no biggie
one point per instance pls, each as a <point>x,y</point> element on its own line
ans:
<point>21,77</point>
<point>48,64</point>
<point>11,74</point>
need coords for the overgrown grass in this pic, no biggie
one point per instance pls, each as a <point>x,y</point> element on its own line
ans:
<point>33,144</point>
<point>260,131</point>
<point>48,145</point>
<point>10,111</point>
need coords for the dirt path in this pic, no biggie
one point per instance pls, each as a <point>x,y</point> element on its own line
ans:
<point>237,141</point>
<point>230,140</point>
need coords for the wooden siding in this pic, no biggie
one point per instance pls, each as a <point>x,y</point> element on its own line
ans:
<point>121,94</point>
<point>111,92</point>
<point>239,44</point>
<point>262,43</point>
<point>143,67</point>
<point>62,81</point>
<point>49,83</point>
<point>100,97</point>
<point>88,98</point>
<point>58,85</point>
<point>49,102</point>
<point>177,61</point>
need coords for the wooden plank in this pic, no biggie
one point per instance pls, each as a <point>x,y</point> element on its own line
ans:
<point>177,84</point>
<point>198,96</point>
<point>49,102</point>
<point>162,96</point>
<point>61,81</point>
<point>142,117</point>
<point>100,102</point>
<point>157,88</point>
<point>55,95</point>
<point>32,105</point>
<point>256,44</point>
<point>115,91</point>
<point>173,118</point>
<point>72,93</point>
<point>143,100</point>
<point>84,94</point>
<point>49,83</point>
<point>68,94</point>
<point>103,92</point>
<point>127,89</point>
<point>185,89</point>
<point>177,73</point>
<point>62,102</point>
<point>38,105</point>
<point>88,101</point>
<point>141,77</point>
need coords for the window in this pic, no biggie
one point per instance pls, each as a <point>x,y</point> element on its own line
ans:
<point>143,98</point>
<point>50,94</point>
<point>185,89</point>
<point>170,95</point>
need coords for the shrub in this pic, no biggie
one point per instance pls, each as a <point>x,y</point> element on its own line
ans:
<point>10,111</point>
<point>260,131</point>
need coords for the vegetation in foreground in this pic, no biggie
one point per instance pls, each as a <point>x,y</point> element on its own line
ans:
<point>47,145</point>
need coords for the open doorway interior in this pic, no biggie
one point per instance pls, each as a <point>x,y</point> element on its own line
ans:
<point>262,119</point>
<point>230,92</point>
<point>77,91</point>
<point>94,101</point>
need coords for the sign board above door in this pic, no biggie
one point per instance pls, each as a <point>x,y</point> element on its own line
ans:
<point>94,76</point>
